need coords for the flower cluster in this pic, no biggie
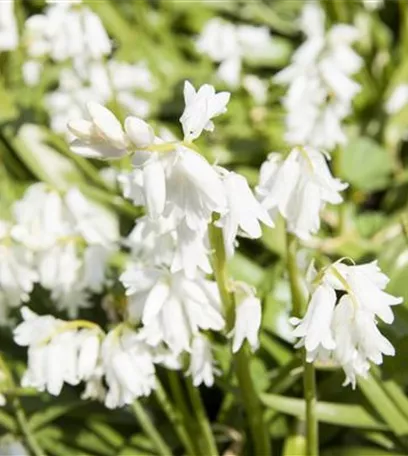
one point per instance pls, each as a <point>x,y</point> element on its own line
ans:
<point>228,44</point>
<point>344,330</point>
<point>298,187</point>
<point>62,242</point>
<point>320,90</point>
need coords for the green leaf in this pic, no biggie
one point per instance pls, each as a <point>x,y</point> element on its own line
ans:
<point>327,412</point>
<point>242,268</point>
<point>359,451</point>
<point>380,401</point>
<point>50,414</point>
<point>365,164</point>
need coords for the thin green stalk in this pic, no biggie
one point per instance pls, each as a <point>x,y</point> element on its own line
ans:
<point>175,418</point>
<point>252,404</point>
<point>309,377</point>
<point>150,430</point>
<point>208,445</point>
<point>29,439</point>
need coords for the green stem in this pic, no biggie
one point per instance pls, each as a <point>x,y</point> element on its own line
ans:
<point>208,446</point>
<point>150,430</point>
<point>21,418</point>
<point>29,439</point>
<point>252,404</point>
<point>175,418</point>
<point>312,426</point>
<point>309,380</point>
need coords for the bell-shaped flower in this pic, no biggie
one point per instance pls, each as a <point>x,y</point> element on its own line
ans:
<point>194,188</point>
<point>172,307</point>
<point>298,188</point>
<point>346,332</point>
<point>17,273</point>
<point>248,315</point>
<point>202,368</point>
<point>243,212</point>
<point>54,353</point>
<point>101,137</point>
<point>128,367</point>
<point>201,107</point>
<point>314,330</point>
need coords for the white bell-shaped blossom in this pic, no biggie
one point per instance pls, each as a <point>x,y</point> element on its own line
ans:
<point>346,331</point>
<point>201,107</point>
<point>172,307</point>
<point>298,188</point>
<point>202,368</point>
<point>194,188</point>
<point>17,273</point>
<point>243,212</point>
<point>56,353</point>
<point>128,367</point>
<point>248,315</point>
<point>100,137</point>
<point>321,90</point>
<point>8,26</point>
<point>63,32</point>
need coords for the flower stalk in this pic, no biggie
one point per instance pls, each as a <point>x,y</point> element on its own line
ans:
<point>253,407</point>
<point>309,377</point>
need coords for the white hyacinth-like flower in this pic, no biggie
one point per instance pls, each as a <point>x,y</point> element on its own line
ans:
<point>172,307</point>
<point>202,368</point>
<point>128,367</point>
<point>298,188</point>
<point>321,90</point>
<point>345,330</point>
<point>57,354</point>
<point>248,315</point>
<point>201,106</point>
<point>243,212</point>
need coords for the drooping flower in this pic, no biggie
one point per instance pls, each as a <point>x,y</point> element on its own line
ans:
<point>128,367</point>
<point>201,369</point>
<point>172,307</point>
<point>321,90</point>
<point>298,188</point>
<point>243,212</point>
<point>345,331</point>
<point>57,354</point>
<point>248,316</point>
<point>398,99</point>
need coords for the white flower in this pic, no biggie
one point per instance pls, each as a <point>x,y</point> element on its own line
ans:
<point>298,188</point>
<point>56,353</point>
<point>172,307</point>
<point>52,352</point>
<point>347,332</point>
<point>128,367</point>
<point>320,89</point>
<point>201,368</point>
<point>8,26</point>
<point>94,222</point>
<point>17,274</point>
<point>101,137</point>
<point>201,107</point>
<point>95,263</point>
<point>248,316</point>
<point>243,212</point>
<point>194,189</point>
<point>256,87</point>
<point>398,99</point>
<point>315,327</point>
<point>65,33</point>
